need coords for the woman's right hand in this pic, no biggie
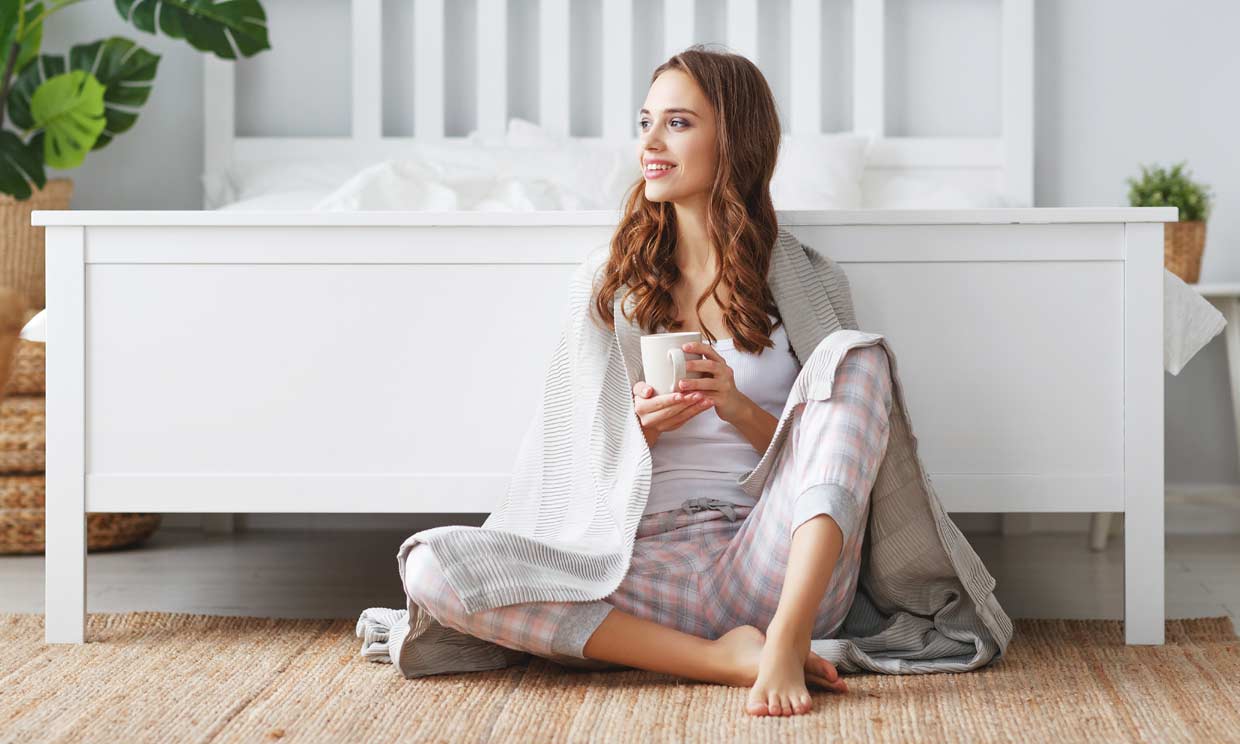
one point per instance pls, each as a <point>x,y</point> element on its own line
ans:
<point>660,413</point>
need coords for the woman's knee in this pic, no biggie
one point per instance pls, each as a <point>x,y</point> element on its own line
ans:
<point>868,370</point>
<point>426,584</point>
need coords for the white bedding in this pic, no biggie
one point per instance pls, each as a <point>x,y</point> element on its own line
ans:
<point>527,169</point>
<point>531,169</point>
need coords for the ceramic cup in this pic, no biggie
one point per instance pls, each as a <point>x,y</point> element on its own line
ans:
<point>663,359</point>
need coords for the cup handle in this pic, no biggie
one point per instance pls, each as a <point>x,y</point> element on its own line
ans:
<point>677,358</point>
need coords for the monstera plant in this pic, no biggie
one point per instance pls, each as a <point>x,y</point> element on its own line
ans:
<point>54,109</point>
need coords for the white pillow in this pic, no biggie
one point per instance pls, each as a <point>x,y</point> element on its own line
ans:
<point>418,185</point>
<point>304,199</point>
<point>36,328</point>
<point>241,181</point>
<point>589,175</point>
<point>819,171</point>
<point>529,169</point>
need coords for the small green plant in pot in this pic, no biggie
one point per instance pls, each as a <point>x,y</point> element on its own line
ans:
<point>54,110</point>
<point>1183,241</point>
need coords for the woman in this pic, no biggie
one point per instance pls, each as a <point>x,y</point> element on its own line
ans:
<point>712,567</point>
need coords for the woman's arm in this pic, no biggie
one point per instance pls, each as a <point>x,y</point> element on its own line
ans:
<point>756,425</point>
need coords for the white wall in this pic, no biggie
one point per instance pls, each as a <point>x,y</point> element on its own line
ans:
<point>1118,82</point>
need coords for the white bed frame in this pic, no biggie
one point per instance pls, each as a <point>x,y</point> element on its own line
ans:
<point>221,362</point>
<point>208,361</point>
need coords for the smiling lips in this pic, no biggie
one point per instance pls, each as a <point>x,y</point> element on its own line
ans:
<point>657,169</point>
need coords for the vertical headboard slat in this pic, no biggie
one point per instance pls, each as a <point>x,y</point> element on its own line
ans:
<point>678,30</point>
<point>619,113</point>
<point>742,29</point>
<point>428,45</point>
<point>869,78</point>
<point>805,48</point>
<point>367,78</point>
<point>1017,92</point>
<point>492,68</point>
<point>553,70</point>
<point>219,112</point>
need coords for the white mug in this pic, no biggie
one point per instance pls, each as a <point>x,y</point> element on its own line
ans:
<point>663,359</point>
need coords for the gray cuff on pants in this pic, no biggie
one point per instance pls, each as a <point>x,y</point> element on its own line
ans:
<point>577,627</point>
<point>831,499</point>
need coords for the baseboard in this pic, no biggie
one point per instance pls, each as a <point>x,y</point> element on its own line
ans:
<point>1191,508</point>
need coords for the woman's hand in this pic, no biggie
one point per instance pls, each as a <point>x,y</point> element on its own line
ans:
<point>660,413</point>
<point>719,387</point>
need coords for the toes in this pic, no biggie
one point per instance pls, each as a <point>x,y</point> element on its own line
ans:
<point>756,708</point>
<point>790,707</point>
<point>804,704</point>
<point>782,701</point>
<point>772,704</point>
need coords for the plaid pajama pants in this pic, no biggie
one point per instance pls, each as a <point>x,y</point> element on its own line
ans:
<point>710,566</point>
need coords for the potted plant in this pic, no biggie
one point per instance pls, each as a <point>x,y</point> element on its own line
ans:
<point>55,109</point>
<point>1183,241</point>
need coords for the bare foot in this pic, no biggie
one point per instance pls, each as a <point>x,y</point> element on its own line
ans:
<point>780,689</point>
<point>744,650</point>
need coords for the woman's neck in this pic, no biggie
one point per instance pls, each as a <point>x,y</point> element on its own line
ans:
<point>695,254</point>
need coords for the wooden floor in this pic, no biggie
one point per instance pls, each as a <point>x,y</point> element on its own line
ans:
<point>287,573</point>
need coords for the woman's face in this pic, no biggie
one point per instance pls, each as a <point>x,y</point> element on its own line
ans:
<point>676,125</point>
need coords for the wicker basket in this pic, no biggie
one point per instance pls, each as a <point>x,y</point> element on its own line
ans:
<point>22,500</point>
<point>22,434</point>
<point>21,260</point>
<point>22,530</point>
<point>12,317</point>
<point>29,373</point>
<point>1183,244</point>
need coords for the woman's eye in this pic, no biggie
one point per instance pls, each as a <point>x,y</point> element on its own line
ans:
<point>643,122</point>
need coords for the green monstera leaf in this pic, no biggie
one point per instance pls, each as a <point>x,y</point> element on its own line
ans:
<point>19,164</point>
<point>208,25</point>
<point>125,69</point>
<point>69,110</point>
<point>10,16</point>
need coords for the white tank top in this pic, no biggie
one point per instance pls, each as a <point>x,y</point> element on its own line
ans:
<point>706,455</point>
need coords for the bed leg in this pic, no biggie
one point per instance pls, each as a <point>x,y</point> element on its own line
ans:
<point>1144,569</point>
<point>64,601</point>
<point>1144,489</point>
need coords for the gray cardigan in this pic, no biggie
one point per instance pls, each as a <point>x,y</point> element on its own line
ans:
<point>565,528</point>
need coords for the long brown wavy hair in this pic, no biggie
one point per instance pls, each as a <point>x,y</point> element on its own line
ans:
<point>740,222</point>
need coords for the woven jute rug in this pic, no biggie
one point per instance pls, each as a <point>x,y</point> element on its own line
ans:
<point>160,677</point>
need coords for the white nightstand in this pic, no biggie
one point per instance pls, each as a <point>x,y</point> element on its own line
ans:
<point>1226,297</point>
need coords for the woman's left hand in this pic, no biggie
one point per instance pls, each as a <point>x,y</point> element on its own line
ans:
<point>719,386</point>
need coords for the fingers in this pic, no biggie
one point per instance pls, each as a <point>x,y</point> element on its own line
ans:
<point>690,410</point>
<point>665,412</point>
<point>704,349</point>
<point>651,403</point>
<point>838,685</point>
